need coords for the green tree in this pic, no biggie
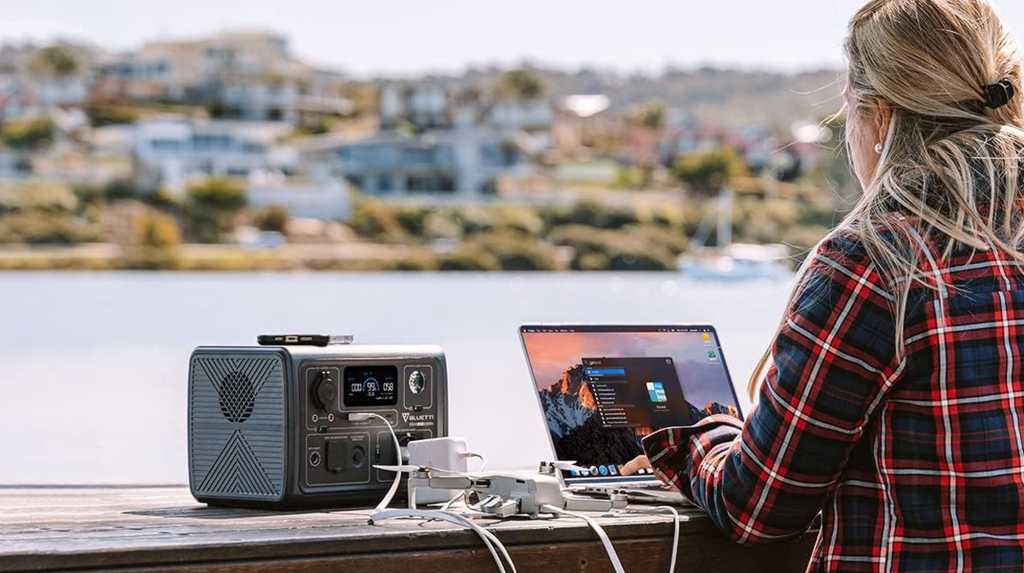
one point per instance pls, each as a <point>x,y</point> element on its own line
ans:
<point>212,207</point>
<point>56,60</point>
<point>35,133</point>
<point>521,84</point>
<point>711,170</point>
<point>650,115</point>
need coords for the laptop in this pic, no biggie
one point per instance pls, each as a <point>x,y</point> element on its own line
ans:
<point>601,388</point>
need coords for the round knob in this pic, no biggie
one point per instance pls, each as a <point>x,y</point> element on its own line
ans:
<point>324,390</point>
<point>417,381</point>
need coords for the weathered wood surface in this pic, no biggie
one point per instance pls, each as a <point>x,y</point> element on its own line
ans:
<point>164,529</point>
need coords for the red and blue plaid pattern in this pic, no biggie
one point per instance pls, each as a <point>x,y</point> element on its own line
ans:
<point>915,464</point>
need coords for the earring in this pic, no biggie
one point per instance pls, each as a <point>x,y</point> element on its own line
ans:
<point>878,148</point>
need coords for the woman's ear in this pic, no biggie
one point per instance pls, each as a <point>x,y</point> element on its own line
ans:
<point>883,118</point>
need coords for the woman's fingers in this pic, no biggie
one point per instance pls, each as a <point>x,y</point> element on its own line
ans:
<point>635,465</point>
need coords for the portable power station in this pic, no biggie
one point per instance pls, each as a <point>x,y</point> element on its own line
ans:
<point>268,426</point>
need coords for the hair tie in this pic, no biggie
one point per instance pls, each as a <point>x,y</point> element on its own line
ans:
<point>999,94</point>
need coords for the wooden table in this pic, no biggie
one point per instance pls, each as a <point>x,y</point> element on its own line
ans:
<point>164,529</point>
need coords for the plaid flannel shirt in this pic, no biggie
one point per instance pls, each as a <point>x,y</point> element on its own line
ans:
<point>915,464</point>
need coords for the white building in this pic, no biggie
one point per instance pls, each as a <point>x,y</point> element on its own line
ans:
<point>463,163</point>
<point>424,105</point>
<point>171,151</point>
<point>526,115</point>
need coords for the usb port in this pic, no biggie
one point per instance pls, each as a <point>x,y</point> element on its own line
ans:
<point>291,338</point>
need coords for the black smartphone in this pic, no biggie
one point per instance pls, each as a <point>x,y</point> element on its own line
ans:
<point>293,339</point>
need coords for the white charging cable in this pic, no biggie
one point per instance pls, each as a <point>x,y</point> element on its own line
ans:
<point>613,556</point>
<point>675,531</point>
<point>491,541</point>
<point>390,495</point>
<point>381,513</point>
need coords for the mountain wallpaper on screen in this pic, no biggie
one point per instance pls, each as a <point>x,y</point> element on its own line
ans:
<point>570,409</point>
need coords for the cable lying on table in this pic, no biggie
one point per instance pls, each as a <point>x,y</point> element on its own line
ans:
<point>675,528</point>
<point>608,547</point>
<point>501,495</point>
<point>490,540</point>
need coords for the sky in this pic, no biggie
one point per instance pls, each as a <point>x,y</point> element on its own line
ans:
<point>399,37</point>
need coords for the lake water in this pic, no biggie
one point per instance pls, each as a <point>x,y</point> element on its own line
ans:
<point>94,365</point>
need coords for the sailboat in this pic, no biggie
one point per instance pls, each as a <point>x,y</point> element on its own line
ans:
<point>732,261</point>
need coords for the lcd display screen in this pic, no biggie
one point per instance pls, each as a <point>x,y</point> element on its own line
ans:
<point>371,386</point>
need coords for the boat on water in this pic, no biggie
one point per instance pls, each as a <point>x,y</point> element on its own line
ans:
<point>737,262</point>
<point>730,261</point>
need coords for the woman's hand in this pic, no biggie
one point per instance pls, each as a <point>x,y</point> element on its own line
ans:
<point>635,465</point>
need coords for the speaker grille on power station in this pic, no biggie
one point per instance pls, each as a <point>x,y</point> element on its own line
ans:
<point>238,470</point>
<point>236,397</point>
<point>236,425</point>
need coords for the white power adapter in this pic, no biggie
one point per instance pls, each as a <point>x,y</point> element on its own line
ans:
<point>442,453</point>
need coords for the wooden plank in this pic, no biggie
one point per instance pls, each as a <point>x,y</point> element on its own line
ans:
<point>157,529</point>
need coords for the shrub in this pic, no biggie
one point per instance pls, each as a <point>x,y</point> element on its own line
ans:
<point>632,257</point>
<point>157,230</point>
<point>709,170</point>
<point>211,207</point>
<point>474,219</point>
<point>672,240</point>
<point>470,259</point>
<point>592,214</point>
<point>673,216</point>
<point>102,114</point>
<point>515,252</point>
<point>415,263</point>
<point>614,250</point>
<point>219,193</point>
<point>37,196</point>
<point>374,219</point>
<point>518,219</point>
<point>42,228</point>
<point>439,225</point>
<point>629,177</point>
<point>33,133</point>
<point>413,219</point>
<point>122,189</point>
<point>273,218</point>
<point>151,259</point>
<point>89,194</point>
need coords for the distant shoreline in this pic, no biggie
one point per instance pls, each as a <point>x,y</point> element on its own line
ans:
<point>365,257</point>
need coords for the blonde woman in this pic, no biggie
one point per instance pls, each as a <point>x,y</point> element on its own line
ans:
<point>892,401</point>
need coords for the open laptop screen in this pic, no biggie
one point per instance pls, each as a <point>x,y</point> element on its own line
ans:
<point>602,388</point>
